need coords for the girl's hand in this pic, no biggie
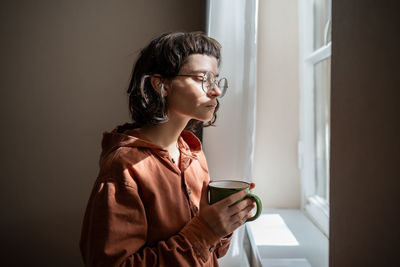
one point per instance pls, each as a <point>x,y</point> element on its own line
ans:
<point>252,185</point>
<point>221,216</point>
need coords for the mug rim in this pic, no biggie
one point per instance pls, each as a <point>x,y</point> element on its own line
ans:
<point>245,184</point>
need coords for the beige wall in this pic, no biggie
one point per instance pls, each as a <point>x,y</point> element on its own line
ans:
<point>65,66</point>
<point>365,157</point>
<point>276,172</point>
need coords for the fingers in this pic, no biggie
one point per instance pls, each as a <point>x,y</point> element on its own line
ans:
<point>244,205</point>
<point>241,217</point>
<point>225,215</point>
<point>252,185</point>
<point>229,201</point>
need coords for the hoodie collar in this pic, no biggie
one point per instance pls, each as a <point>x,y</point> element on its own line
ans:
<point>127,135</point>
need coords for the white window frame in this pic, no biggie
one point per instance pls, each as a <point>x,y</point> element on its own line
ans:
<point>313,205</point>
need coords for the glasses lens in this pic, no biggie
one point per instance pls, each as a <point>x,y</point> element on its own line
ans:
<point>223,86</point>
<point>208,81</point>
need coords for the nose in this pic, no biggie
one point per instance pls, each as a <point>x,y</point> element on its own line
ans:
<point>214,91</point>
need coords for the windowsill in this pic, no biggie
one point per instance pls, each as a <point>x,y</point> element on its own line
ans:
<point>317,210</point>
<point>285,238</point>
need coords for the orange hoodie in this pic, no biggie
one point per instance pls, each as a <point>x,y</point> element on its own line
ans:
<point>142,209</point>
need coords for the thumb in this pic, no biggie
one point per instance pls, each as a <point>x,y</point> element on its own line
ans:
<point>204,194</point>
<point>252,185</point>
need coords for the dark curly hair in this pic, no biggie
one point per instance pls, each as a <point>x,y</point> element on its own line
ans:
<point>165,56</point>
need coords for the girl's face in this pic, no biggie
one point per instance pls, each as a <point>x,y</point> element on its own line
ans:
<point>186,98</point>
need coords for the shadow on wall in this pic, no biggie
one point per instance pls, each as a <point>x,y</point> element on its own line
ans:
<point>65,68</point>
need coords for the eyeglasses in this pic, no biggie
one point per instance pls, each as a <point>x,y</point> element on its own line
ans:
<point>208,82</point>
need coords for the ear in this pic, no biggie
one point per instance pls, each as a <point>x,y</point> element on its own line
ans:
<point>158,84</point>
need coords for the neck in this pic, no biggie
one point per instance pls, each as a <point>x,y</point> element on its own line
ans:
<point>165,134</point>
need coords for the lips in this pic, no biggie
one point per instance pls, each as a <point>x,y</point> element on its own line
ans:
<point>211,105</point>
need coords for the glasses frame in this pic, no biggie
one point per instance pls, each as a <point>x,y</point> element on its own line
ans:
<point>213,83</point>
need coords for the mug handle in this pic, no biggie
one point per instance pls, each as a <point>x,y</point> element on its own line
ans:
<point>259,206</point>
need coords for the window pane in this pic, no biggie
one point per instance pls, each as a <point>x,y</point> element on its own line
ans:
<point>322,13</point>
<point>322,77</point>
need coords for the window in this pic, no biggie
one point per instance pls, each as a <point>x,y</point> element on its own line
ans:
<point>315,61</point>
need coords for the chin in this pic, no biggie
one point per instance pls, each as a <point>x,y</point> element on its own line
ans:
<point>205,118</point>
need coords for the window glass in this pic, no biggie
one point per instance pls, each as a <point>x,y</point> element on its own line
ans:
<point>322,17</point>
<point>322,71</point>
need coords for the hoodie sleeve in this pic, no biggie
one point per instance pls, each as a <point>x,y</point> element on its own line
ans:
<point>114,233</point>
<point>222,248</point>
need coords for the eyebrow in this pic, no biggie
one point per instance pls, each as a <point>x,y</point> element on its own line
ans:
<point>203,71</point>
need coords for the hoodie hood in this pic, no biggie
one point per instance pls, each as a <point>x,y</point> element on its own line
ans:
<point>127,135</point>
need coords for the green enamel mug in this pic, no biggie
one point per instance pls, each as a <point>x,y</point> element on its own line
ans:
<point>223,188</point>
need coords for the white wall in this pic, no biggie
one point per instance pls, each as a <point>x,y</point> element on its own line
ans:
<point>276,172</point>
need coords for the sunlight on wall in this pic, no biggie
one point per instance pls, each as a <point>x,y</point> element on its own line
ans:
<point>272,231</point>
